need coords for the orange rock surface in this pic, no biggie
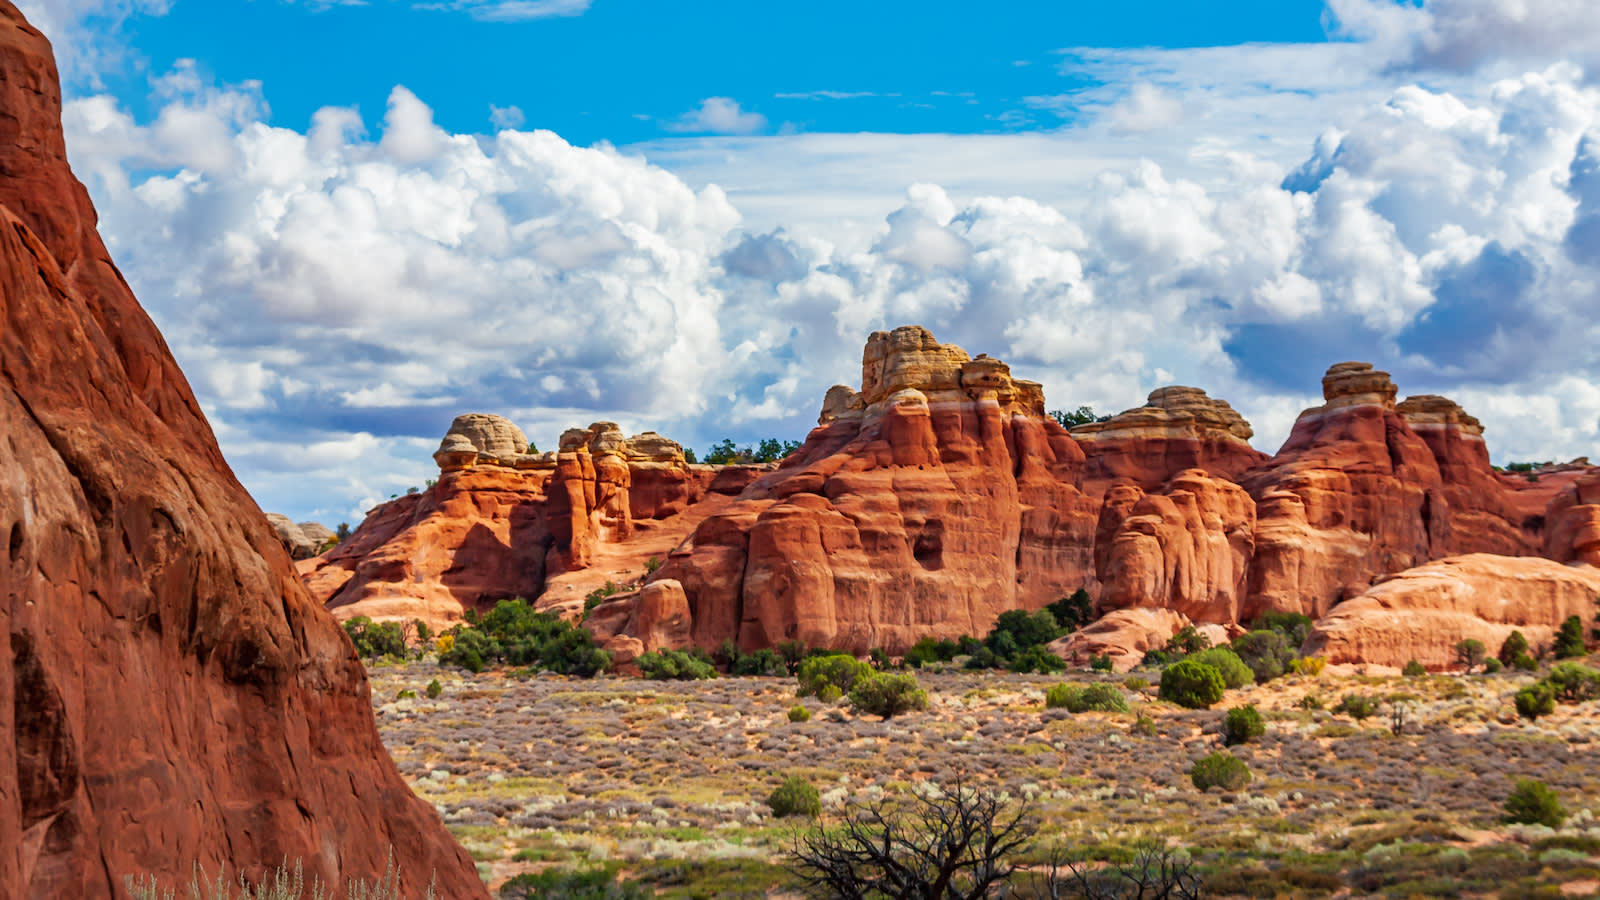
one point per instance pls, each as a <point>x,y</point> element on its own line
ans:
<point>1178,428</point>
<point>169,693</point>
<point>928,502</point>
<point>1423,612</point>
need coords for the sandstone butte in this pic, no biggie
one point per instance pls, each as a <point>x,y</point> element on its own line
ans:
<point>169,693</point>
<point>940,494</point>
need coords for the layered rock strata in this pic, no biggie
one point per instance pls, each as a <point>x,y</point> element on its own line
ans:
<point>1422,613</point>
<point>1178,428</point>
<point>931,500</point>
<point>169,694</point>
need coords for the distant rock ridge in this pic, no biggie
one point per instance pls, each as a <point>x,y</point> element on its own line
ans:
<point>501,522</point>
<point>1179,428</point>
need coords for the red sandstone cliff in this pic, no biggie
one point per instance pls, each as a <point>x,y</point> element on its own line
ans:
<point>169,694</point>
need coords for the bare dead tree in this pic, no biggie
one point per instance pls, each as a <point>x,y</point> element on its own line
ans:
<point>1154,873</point>
<point>956,843</point>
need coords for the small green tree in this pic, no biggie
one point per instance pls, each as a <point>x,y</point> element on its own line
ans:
<point>1513,646</point>
<point>1241,725</point>
<point>1357,706</point>
<point>1060,696</point>
<point>795,797</point>
<point>840,672</point>
<point>1573,683</point>
<point>1414,669</point>
<point>1569,639</point>
<point>673,665</point>
<point>1533,803</point>
<point>1098,698</point>
<point>1266,652</point>
<point>1220,769</point>
<point>887,695</point>
<point>1235,674</point>
<point>434,689</point>
<point>1536,700</point>
<point>1191,684</point>
<point>798,713</point>
<point>1470,653</point>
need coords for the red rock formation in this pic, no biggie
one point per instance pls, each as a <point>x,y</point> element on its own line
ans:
<point>1178,428</point>
<point>1186,549</point>
<point>169,694</point>
<point>931,501</point>
<point>1422,613</point>
<point>1572,521</point>
<point>503,523</point>
<point>1354,493</point>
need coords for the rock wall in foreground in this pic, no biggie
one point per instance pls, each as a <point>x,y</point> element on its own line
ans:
<point>169,693</point>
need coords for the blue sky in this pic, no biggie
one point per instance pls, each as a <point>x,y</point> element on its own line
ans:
<point>624,71</point>
<point>354,221</point>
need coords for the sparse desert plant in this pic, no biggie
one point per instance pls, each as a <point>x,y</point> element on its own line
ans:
<point>1414,669</point>
<point>1235,674</point>
<point>652,564</point>
<point>1220,769</point>
<point>1135,682</point>
<point>1144,725</point>
<point>376,639</point>
<point>1036,659</point>
<point>1357,706</point>
<point>1569,639</point>
<point>838,671</point>
<point>761,662</point>
<point>673,665</point>
<point>1059,696</point>
<point>949,842</point>
<point>282,883</point>
<point>930,650</point>
<point>1470,653</point>
<point>1310,702</point>
<point>798,713</point>
<point>830,693</point>
<point>887,695</point>
<point>1101,663</point>
<point>1150,869</point>
<point>1533,803</point>
<point>795,797</point>
<point>406,694</point>
<point>1573,683</point>
<point>1098,698</point>
<point>1241,725</point>
<point>434,689</point>
<point>1536,700</point>
<point>1309,665</point>
<point>792,652</point>
<point>1266,652</point>
<point>1073,612</point>
<point>1491,666</point>
<point>1192,684</point>
<point>574,884</point>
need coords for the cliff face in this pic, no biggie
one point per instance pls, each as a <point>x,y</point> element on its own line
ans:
<point>169,693</point>
<point>928,502</point>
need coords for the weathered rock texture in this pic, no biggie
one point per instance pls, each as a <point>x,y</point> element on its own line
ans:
<point>502,523</point>
<point>1178,428</point>
<point>1422,613</point>
<point>1125,634</point>
<point>169,694</point>
<point>931,500</point>
<point>304,540</point>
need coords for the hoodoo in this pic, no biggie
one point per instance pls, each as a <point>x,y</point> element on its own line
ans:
<point>169,693</point>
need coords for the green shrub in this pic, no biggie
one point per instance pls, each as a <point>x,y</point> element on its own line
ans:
<point>434,689</point>
<point>1514,645</point>
<point>1573,683</point>
<point>1357,706</point>
<point>1414,669</point>
<point>1220,769</point>
<point>1241,725</point>
<point>798,713</point>
<point>1060,696</point>
<point>1101,663</point>
<point>795,797</point>
<point>1491,666</point>
<point>1524,662</point>
<point>839,672</point>
<point>1470,652</point>
<point>1569,639</point>
<point>830,693</point>
<point>887,695</point>
<point>1267,653</point>
<point>761,662</point>
<point>514,634</point>
<point>1017,631</point>
<point>1098,698</point>
<point>1191,684</point>
<point>931,650</point>
<point>1536,700</point>
<point>1309,702</point>
<point>673,665</point>
<point>792,653</point>
<point>1309,665</point>
<point>1074,612</point>
<point>1135,682</point>
<point>1533,803</point>
<point>406,694</point>
<point>1144,725</point>
<point>1036,659</point>
<point>375,639</point>
<point>1235,674</point>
